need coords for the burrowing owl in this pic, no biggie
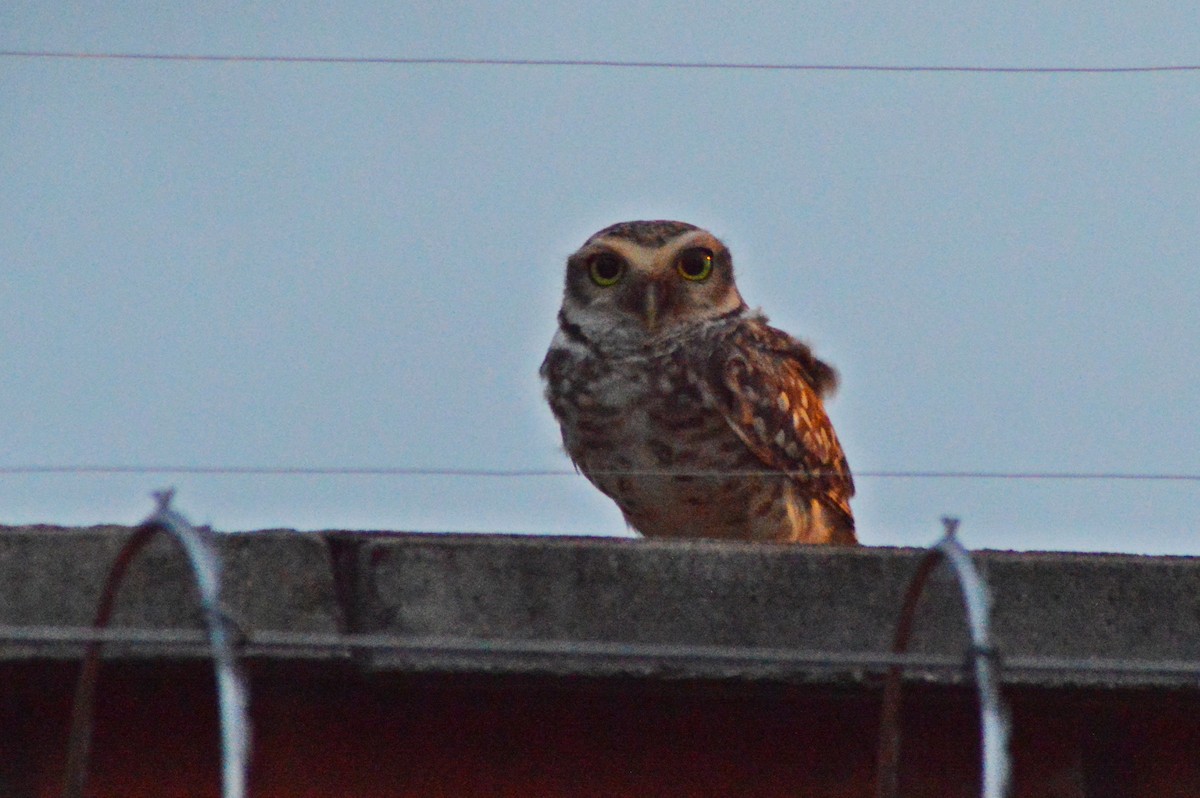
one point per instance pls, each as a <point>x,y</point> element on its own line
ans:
<point>684,406</point>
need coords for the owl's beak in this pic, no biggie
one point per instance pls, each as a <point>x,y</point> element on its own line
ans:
<point>651,308</point>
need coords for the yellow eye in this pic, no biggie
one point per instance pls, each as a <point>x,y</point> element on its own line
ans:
<point>606,269</point>
<point>695,264</point>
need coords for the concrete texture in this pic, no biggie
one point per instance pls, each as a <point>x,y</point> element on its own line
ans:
<point>605,607</point>
<point>53,576</point>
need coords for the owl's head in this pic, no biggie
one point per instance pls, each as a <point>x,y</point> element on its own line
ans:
<point>635,281</point>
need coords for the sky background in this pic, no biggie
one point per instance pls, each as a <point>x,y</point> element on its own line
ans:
<point>314,265</point>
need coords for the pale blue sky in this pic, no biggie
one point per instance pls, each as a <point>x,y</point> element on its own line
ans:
<point>323,265</point>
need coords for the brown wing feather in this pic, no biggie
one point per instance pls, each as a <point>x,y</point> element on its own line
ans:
<point>774,386</point>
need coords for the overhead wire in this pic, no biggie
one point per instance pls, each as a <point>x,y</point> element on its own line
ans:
<point>521,473</point>
<point>225,470</point>
<point>588,62</point>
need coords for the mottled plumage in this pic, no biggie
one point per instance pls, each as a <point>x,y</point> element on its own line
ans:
<point>684,406</point>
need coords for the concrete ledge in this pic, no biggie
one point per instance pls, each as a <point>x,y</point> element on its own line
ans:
<point>601,607</point>
<point>53,576</point>
<point>780,612</point>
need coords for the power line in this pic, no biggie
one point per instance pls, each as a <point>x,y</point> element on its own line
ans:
<point>573,62</point>
<point>521,473</point>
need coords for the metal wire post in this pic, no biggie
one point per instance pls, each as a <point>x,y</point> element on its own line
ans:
<point>231,683</point>
<point>232,693</point>
<point>994,723</point>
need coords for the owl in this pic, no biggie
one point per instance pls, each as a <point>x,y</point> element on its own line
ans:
<point>683,405</point>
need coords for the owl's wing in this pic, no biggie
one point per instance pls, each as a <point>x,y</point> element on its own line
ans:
<point>769,388</point>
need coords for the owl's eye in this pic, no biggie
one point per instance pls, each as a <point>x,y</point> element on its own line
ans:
<point>695,264</point>
<point>605,269</point>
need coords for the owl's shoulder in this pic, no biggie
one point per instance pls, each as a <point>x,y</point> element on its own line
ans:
<point>766,348</point>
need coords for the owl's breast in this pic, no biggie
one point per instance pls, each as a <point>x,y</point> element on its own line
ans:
<point>634,412</point>
<point>645,432</point>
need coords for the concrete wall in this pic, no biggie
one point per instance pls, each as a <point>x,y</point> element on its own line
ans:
<point>532,666</point>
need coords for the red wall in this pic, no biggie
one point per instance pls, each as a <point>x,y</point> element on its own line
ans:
<point>323,732</point>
